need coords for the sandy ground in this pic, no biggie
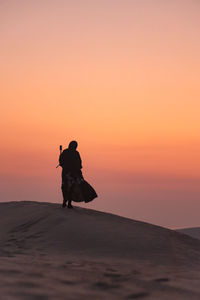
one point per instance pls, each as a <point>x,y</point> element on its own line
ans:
<point>47,252</point>
<point>193,232</point>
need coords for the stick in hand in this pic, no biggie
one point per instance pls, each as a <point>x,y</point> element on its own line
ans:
<point>60,153</point>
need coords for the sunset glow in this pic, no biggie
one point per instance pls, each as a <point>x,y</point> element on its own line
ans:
<point>121,78</point>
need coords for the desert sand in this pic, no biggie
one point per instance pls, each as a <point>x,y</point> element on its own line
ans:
<point>48,252</point>
<point>193,232</point>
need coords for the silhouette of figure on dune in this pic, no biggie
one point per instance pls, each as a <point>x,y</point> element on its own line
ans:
<point>74,187</point>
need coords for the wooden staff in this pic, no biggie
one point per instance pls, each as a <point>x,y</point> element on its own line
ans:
<point>60,154</point>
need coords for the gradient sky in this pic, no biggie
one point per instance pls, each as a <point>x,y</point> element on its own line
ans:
<point>121,78</point>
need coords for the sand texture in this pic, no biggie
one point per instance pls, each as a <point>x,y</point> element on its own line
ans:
<point>47,252</point>
<point>193,232</point>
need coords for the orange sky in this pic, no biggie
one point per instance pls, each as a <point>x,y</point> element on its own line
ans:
<point>120,77</point>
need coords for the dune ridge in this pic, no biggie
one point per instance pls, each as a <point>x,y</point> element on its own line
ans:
<point>82,230</point>
<point>192,231</point>
<point>47,251</point>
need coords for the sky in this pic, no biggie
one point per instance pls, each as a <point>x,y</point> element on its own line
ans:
<point>121,78</point>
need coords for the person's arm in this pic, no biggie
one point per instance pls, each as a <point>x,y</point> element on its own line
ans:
<point>79,160</point>
<point>61,159</point>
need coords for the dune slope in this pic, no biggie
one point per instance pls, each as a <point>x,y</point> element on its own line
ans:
<point>49,253</point>
<point>45,227</point>
<point>193,232</point>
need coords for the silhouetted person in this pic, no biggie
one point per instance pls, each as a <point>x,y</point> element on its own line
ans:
<point>71,164</point>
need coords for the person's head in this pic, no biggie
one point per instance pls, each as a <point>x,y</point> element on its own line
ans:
<point>73,145</point>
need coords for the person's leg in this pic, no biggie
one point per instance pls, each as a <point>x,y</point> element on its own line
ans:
<point>69,205</point>
<point>70,186</point>
<point>63,188</point>
<point>66,196</point>
<point>64,193</point>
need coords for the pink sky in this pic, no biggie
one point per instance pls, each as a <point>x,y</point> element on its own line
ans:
<point>120,77</point>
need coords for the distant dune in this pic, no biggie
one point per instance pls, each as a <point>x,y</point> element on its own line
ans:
<point>193,232</point>
<point>47,251</point>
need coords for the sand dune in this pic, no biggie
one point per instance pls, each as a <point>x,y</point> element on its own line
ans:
<point>193,232</point>
<point>48,252</point>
